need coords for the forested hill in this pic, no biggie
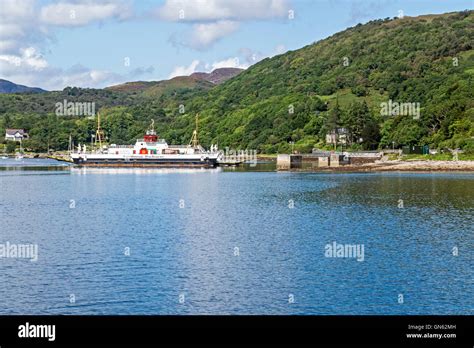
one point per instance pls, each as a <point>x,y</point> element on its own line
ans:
<point>427,60</point>
<point>10,87</point>
<point>339,82</point>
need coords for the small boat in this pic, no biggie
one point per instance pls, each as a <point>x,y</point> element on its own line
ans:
<point>4,157</point>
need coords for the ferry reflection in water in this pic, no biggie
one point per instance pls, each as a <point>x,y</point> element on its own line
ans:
<point>142,171</point>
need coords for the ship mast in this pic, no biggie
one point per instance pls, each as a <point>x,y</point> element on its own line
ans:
<point>150,135</point>
<point>99,133</point>
<point>151,129</point>
<point>195,139</point>
<point>70,147</point>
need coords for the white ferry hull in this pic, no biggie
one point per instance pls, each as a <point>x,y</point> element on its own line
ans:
<point>108,160</point>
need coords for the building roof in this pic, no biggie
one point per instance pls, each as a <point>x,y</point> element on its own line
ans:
<point>13,131</point>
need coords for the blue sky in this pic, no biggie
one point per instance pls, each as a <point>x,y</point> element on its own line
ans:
<point>89,43</point>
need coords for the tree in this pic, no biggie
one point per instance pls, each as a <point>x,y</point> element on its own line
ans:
<point>11,146</point>
<point>334,119</point>
<point>361,125</point>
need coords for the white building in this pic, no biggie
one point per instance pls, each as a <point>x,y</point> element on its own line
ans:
<point>337,136</point>
<point>15,134</point>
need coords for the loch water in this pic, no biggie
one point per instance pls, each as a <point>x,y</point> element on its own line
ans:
<point>227,241</point>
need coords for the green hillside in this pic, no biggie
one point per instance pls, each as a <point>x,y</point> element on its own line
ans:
<point>405,60</point>
<point>339,82</point>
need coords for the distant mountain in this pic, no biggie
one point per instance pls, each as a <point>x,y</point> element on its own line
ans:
<point>165,87</point>
<point>10,87</point>
<point>200,80</point>
<point>218,76</point>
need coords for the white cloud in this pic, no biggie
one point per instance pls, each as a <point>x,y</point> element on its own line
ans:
<point>206,34</point>
<point>17,25</point>
<point>52,78</point>
<point>81,78</point>
<point>228,63</point>
<point>203,35</point>
<point>84,12</point>
<point>28,23</point>
<point>29,60</point>
<point>215,19</point>
<point>17,9</point>
<point>33,59</point>
<point>25,27</point>
<point>198,66</point>
<point>185,70</point>
<point>31,69</point>
<point>214,10</point>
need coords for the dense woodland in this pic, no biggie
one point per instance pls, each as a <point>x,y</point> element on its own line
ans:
<point>339,82</point>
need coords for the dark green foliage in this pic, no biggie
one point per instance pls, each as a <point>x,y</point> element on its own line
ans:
<point>11,147</point>
<point>295,97</point>
<point>361,125</point>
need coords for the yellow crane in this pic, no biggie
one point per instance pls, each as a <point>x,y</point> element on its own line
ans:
<point>195,138</point>
<point>99,133</point>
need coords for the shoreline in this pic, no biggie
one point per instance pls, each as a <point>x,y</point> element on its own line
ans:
<point>397,166</point>
<point>378,166</point>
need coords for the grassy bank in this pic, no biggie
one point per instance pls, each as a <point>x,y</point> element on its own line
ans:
<point>438,157</point>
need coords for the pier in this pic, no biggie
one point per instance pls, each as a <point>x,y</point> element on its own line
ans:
<point>327,159</point>
<point>286,162</point>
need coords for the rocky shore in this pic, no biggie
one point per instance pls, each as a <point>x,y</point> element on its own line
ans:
<point>405,166</point>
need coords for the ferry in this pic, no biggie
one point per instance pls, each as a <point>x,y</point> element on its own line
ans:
<point>151,151</point>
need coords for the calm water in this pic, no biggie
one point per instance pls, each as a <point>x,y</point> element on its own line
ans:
<point>228,242</point>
